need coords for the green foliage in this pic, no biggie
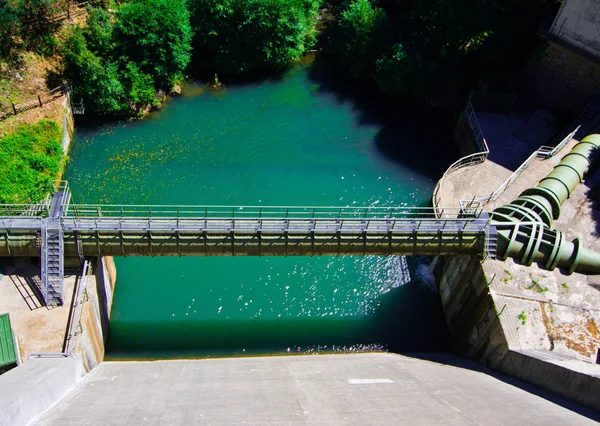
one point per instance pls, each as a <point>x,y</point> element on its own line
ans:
<point>36,26</point>
<point>117,63</point>
<point>30,159</point>
<point>9,25</point>
<point>94,78</point>
<point>236,36</point>
<point>98,31</point>
<point>362,35</point>
<point>413,47</point>
<point>156,36</point>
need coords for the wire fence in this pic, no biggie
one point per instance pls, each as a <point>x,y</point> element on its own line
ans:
<point>35,102</point>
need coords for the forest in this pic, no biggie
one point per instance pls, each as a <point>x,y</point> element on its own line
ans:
<point>126,54</point>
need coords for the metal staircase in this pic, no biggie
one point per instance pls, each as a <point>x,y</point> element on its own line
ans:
<point>52,269</point>
<point>52,247</point>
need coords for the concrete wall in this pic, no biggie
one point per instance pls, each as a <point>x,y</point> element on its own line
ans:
<point>95,313</point>
<point>563,77</point>
<point>35,386</point>
<point>578,23</point>
<point>475,326</point>
<point>68,125</point>
<point>464,137</point>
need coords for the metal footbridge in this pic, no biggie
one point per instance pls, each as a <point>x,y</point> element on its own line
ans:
<point>57,228</point>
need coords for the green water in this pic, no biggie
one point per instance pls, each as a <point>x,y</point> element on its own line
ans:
<point>298,140</point>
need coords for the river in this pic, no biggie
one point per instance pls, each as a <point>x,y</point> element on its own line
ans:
<point>298,140</point>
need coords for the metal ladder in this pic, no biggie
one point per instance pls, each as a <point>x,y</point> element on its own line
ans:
<point>491,243</point>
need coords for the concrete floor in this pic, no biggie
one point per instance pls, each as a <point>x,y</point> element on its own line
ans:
<point>37,328</point>
<point>360,389</point>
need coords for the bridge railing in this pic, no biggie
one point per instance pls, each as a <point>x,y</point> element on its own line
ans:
<point>248,212</point>
<point>12,210</point>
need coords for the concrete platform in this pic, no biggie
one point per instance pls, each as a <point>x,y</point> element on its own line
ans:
<point>358,389</point>
<point>38,328</point>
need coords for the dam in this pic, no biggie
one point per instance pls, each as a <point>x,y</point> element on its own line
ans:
<point>232,235</point>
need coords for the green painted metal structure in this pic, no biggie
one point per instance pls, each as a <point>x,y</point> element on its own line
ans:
<point>524,225</point>
<point>8,350</point>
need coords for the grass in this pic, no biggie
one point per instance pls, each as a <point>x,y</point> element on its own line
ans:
<point>30,160</point>
<point>536,285</point>
<point>565,286</point>
<point>508,277</point>
<point>523,317</point>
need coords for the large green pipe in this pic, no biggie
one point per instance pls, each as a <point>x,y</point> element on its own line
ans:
<point>524,225</point>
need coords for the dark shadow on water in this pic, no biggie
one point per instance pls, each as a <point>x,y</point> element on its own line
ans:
<point>408,319</point>
<point>412,134</point>
<point>459,362</point>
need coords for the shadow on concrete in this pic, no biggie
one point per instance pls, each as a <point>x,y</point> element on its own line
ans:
<point>28,288</point>
<point>413,135</point>
<point>459,362</point>
<point>409,318</point>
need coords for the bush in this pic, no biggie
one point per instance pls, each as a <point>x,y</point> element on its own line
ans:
<point>30,160</point>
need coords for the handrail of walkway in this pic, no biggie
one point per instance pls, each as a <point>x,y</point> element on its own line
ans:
<point>544,152</point>
<point>75,318</point>
<point>248,212</point>
<point>469,160</point>
<point>478,202</point>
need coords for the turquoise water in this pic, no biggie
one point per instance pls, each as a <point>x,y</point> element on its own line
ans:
<point>292,141</point>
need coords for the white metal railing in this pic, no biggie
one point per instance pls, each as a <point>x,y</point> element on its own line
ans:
<point>478,202</point>
<point>469,160</point>
<point>106,211</point>
<point>544,152</point>
<point>74,323</point>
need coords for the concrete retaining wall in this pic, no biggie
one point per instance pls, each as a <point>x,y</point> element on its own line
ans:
<point>68,125</point>
<point>35,386</point>
<point>564,78</point>
<point>465,140</point>
<point>474,323</point>
<point>578,22</point>
<point>95,313</point>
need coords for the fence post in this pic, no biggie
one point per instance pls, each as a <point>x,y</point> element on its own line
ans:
<point>14,109</point>
<point>40,101</point>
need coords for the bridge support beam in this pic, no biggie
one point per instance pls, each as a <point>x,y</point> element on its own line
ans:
<point>247,243</point>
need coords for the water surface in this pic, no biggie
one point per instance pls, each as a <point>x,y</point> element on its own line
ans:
<point>292,142</point>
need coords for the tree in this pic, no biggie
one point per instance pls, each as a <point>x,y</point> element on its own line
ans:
<point>9,26</point>
<point>361,37</point>
<point>96,80</point>
<point>156,35</point>
<point>237,36</point>
<point>37,27</point>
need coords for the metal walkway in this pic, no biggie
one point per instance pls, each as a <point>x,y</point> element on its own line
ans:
<point>55,229</point>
